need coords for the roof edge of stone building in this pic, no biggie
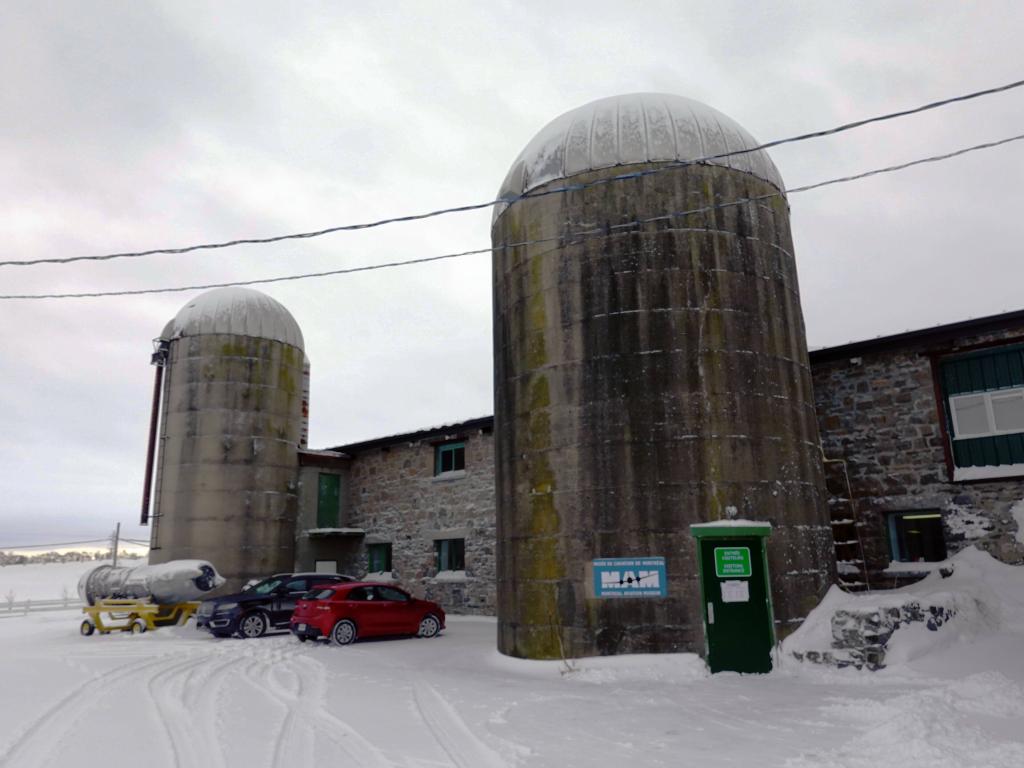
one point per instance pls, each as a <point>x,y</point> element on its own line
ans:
<point>485,423</point>
<point>938,334</point>
<point>310,457</point>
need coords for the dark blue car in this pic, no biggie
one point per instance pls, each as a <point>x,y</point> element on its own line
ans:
<point>257,609</point>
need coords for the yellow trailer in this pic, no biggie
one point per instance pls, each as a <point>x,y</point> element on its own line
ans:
<point>135,616</point>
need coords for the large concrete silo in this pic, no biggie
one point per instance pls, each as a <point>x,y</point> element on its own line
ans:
<point>232,420</point>
<point>647,376</point>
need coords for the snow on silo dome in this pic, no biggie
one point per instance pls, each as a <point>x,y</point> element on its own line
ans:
<point>236,311</point>
<point>630,129</point>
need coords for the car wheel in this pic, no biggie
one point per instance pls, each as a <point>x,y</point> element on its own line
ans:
<point>138,627</point>
<point>344,632</point>
<point>252,625</point>
<point>429,626</point>
<point>86,628</point>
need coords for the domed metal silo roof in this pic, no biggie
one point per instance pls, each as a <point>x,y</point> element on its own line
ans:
<point>630,129</point>
<point>236,311</point>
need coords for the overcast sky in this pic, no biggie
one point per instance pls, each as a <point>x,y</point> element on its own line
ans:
<point>126,126</point>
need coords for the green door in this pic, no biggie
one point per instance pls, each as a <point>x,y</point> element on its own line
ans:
<point>328,501</point>
<point>736,604</point>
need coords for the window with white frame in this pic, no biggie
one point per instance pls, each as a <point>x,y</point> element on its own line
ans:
<point>983,400</point>
<point>985,414</point>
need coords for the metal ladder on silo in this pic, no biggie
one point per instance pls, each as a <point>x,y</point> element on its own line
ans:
<point>852,570</point>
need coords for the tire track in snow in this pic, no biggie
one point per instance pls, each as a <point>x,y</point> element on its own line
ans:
<point>209,703</point>
<point>264,662</point>
<point>170,683</point>
<point>451,732</point>
<point>287,731</point>
<point>164,697</point>
<point>187,708</point>
<point>308,700</point>
<point>60,717</point>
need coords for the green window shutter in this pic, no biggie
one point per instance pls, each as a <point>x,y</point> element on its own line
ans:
<point>328,501</point>
<point>984,371</point>
<point>994,451</point>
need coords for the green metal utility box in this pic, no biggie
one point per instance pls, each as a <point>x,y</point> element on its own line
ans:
<point>739,631</point>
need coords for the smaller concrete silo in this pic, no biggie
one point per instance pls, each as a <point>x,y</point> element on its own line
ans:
<point>232,421</point>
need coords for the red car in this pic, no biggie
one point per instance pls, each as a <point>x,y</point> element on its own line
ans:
<point>343,612</point>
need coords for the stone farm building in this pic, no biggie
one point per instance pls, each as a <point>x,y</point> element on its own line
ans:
<point>923,446</point>
<point>417,508</point>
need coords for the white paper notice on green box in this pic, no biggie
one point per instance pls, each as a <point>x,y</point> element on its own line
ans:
<point>735,591</point>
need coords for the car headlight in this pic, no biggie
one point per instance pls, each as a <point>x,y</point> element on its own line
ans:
<point>225,607</point>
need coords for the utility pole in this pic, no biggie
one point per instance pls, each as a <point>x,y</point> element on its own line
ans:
<point>117,537</point>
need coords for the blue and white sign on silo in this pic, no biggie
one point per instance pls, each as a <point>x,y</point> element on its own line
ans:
<point>630,577</point>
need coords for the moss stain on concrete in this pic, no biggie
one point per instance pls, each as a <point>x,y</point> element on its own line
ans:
<point>541,559</point>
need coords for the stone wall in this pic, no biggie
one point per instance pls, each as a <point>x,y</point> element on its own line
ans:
<point>393,494</point>
<point>860,637</point>
<point>878,412</point>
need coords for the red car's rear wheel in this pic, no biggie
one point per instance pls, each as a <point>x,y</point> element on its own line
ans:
<point>344,632</point>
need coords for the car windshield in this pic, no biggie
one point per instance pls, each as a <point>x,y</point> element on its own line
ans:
<point>267,586</point>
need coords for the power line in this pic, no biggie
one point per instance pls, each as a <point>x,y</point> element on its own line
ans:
<point>105,539</point>
<point>599,232</point>
<point>536,193</point>
<point>911,164</point>
<point>102,540</point>
<point>262,281</point>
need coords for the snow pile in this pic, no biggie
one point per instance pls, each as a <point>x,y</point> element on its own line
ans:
<point>1017,510</point>
<point>964,522</point>
<point>733,522</point>
<point>874,629</point>
<point>914,567</point>
<point>678,668</point>
<point>949,726</point>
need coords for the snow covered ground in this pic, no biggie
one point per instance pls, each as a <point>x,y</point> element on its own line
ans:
<point>46,581</point>
<point>179,698</point>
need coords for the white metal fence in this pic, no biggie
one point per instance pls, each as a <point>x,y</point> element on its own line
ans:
<point>10,609</point>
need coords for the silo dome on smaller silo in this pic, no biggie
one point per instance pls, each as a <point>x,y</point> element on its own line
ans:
<point>237,312</point>
<point>232,420</point>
